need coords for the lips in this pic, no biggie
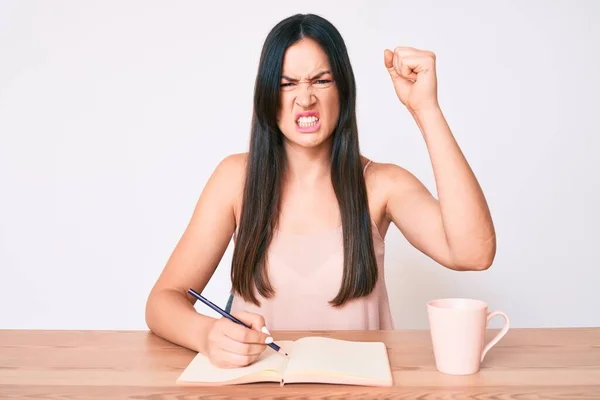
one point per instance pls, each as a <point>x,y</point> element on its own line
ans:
<point>306,114</point>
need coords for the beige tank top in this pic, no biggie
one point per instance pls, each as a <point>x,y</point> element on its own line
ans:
<point>305,272</point>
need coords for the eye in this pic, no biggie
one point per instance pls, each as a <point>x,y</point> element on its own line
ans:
<point>323,83</point>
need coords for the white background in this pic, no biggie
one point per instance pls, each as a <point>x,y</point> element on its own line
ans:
<point>113,114</point>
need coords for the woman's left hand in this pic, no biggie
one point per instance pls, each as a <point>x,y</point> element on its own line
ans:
<point>414,77</point>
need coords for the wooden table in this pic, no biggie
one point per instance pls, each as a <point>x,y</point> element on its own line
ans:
<point>526,364</point>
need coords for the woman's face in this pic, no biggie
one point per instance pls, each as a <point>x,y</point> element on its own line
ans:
<point>309,105</point>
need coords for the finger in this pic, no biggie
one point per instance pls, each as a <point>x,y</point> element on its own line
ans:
<point>427,55</point>
<point>404,51</point>
<point>406,67</point>
<point>390,63</point>
<point>242,334</point>
<point>418,62</point>
<point>397,64</point>
<point>388,58</point>
<point>255,321</point>
<point>233,346</point>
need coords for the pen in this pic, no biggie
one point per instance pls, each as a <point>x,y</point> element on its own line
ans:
<point>227,315</point>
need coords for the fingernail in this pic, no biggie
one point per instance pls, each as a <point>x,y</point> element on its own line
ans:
<point>265,330</point>
<point>269,340</point>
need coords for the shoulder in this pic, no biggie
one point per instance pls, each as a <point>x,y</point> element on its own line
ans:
<point>232,163</point>
<point>384,176</point>
<point>229,176</point>
<point>230,171</point>
<point>390,182</point>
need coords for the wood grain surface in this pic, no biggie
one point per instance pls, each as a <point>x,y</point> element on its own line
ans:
<point>561,363</point>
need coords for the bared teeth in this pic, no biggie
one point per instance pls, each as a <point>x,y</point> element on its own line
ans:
<point>307,121</point>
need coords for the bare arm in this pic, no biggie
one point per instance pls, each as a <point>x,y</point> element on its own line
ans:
<point>456,230</point>
<point>169,310</point>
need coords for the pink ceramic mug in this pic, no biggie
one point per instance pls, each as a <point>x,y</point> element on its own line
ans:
<point>457,328</point>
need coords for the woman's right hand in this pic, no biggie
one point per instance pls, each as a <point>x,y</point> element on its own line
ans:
<point>231,345</point>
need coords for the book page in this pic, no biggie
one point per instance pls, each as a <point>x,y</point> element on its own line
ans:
<point>337,360</point>
<point>267,368</point>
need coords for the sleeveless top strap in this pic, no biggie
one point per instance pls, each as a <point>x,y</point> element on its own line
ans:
<point>366,165</point>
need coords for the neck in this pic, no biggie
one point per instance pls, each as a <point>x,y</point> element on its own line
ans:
<point>308,165</point>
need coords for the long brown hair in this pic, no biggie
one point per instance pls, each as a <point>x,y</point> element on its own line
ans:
<point>267,160</point>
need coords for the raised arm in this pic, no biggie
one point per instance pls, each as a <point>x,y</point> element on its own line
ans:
<point>456,229</point>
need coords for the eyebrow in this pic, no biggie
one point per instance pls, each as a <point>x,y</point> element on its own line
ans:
<point>317,76</point>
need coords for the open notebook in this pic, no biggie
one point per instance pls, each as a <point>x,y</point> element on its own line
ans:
<point>311,359</point>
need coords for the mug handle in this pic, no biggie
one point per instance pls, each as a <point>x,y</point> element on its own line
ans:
<point>500,334</point>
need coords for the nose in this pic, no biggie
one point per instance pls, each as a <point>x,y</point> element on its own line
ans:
<point>305,97</point>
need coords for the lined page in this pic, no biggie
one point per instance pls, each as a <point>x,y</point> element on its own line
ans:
<point>367,360</point>
<point>200,368</point>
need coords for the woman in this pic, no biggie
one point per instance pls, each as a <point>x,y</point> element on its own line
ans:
<point>308,212</point>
